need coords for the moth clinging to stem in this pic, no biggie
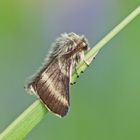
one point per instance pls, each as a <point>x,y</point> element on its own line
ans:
<point>51,84</point>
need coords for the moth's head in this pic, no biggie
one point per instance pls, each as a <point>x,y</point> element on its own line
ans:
<point>74,40</point>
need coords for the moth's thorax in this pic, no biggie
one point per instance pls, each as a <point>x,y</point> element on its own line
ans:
<point>80,43</point>
<point>70,42</point>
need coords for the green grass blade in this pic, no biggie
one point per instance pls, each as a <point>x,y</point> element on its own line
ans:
<point>94,51</point>
<point>25,122</point>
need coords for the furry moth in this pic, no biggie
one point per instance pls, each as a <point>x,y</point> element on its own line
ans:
<point>52,83</point>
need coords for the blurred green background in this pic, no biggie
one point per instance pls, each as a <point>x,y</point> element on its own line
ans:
<point>105,102</point>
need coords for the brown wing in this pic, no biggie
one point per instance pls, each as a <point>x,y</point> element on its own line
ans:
<point>52,86</point>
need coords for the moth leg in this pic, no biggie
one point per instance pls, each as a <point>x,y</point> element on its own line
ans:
<point>89,60</point>
<point>86,63</point>
<point>77,75</point>
<point>73,83</point>
<point>76,72</point>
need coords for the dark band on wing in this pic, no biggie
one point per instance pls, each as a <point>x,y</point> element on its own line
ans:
<point>52,86</point>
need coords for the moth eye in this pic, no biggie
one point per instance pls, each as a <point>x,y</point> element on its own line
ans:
<point>85,47</point>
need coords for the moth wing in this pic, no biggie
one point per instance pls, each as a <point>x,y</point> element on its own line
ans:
<point>52,86</point>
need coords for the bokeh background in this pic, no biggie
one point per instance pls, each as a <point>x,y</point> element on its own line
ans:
<point>105,102</point>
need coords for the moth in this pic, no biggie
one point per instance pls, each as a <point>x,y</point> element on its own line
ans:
<point>52,83</point>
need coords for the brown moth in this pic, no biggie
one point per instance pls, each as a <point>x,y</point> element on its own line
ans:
<point>52,83</point>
